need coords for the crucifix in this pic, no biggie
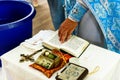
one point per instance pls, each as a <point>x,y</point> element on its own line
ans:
<point>28,57</point>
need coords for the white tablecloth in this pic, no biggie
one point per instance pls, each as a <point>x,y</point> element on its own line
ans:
<point>101,63</point>
<point>1,73</point>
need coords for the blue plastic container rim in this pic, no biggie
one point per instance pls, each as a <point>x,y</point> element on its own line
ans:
<point>30,15</point>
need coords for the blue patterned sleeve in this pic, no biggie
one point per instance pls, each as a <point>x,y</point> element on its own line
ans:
<point>77,12</point>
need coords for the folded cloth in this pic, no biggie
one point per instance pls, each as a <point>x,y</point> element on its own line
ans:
<point>35,42</point>
<point>49,72</point>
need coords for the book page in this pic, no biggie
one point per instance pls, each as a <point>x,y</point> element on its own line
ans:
<point>75,45</point>
<point>53,42</point>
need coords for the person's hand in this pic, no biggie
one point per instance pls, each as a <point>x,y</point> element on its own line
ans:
<point>66,29</point>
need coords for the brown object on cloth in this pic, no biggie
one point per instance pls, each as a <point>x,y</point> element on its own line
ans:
<point>48,73</point>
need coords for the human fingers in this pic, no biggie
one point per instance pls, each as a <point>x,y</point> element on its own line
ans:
<point>63,36</point>
<point>68,36</point>
<point>62,32</point>
<point>62,29</point>
<point>65,30</point>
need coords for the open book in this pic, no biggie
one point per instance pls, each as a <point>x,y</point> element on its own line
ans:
<point>74,46</point>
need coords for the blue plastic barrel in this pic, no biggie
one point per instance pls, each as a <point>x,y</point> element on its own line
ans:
<point>15,23</point>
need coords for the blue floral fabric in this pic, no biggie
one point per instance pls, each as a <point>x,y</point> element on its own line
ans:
<point>107,13</point>
<point>77,12</point>
<point>74,11</point>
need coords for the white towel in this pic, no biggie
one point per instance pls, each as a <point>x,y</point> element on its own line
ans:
<point>35,42</point>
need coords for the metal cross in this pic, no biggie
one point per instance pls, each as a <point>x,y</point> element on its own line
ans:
<point>28,57</point>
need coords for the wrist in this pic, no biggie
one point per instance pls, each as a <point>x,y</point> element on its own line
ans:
<point>71,21</point>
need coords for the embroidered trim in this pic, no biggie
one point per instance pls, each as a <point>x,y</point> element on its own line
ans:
<point>113,39</point>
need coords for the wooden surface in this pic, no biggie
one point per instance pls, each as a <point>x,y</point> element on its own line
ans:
<point>42,19</point>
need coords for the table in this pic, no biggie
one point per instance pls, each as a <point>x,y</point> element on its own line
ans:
<point>101,63</point>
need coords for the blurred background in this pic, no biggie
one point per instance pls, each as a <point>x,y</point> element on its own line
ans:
<point>42,20</point>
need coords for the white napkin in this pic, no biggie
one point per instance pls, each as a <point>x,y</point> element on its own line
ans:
<point>35,42</point>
